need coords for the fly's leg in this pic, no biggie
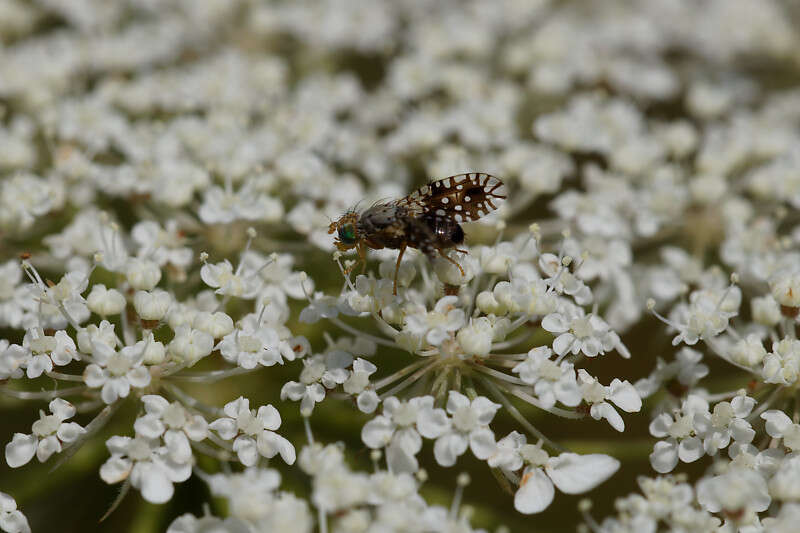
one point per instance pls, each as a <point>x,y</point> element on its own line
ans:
<point>397,268</point>
<point>441,252</point>
<point>362,260</point>
<point>459,250</point>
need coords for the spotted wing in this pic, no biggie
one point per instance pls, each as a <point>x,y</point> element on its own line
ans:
<point>462,197</point>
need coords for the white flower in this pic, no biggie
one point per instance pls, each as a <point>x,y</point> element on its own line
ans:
<point>727,420</point>
<point>476,337</point>
<point>468,427</point>
<point>578,332</point>
<point>11,519</point>
<point>435,326</point>
<point>749,351</point>
<point>162,245</point>
<point>254,343</point>
<point>396,430</point>
<point>683,442</point>
<point>47,350</point>
<point>253,432</point>
<point>222,207</point>
<point>687,369</point>
<point>148,466</point>
<point>782,365</point>
<point>117,371</point>
<point>189,523</point>
<point>371,295</point>
<point>621,393</point>
<point>739,490</point>
<point>552,381</point>
<point>570,472</point>
<point>706,315</point>
<point>12,294</point>
<point>780,426</point>
<point>358,384</point>
<point>172,423</point>
<point>227,282</point>
<point>319,372</point>
<point>13,358</point>
<point>765,310</point>
<point>785,287</point>
<point>49,432</point>
<point>563,281</point>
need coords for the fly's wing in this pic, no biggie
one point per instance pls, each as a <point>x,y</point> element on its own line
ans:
<point>463,197</point>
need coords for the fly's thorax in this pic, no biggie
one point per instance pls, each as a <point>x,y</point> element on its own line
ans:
<point>379,217</point>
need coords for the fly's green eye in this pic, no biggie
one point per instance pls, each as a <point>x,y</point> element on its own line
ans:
<point>347,234</point>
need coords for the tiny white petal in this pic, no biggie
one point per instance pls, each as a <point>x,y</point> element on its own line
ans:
<point>20,450</point>
<point>690,450</point>
<point>664,456</point>
<point>575,474</point>
<point>535,492</point>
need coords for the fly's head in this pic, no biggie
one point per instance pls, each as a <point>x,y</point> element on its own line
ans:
<point>346,229</point>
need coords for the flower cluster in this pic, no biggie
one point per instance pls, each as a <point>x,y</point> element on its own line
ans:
<point>169,172</point>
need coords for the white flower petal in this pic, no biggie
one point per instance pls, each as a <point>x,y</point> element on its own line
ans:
<point>535,492</point>
<point>115,469</point>
<point>482,443</point>
<point>62,409</point>
<point>368,401</point>
<point>20,450</point>
<point>625,396</point>
<point>269,417</point>
<point>47,447</point>
<point>455,400</point>
<point>152,482</point>
<point>575,474</point>
<point>378,432</point>
<point>149,426</point>
<point>69,431</point>
<point>448,448</point>
<point>690,450</point>
<point>432,423</point>
<point>563,343</point>
<point>777,422</point>
<point>664,456</point>
<point>178,446</point>
<point>555,323</point>
<point>225,427</point>
<point>245,448</point>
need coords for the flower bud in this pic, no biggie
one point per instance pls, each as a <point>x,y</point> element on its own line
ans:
<point>152,305</point>
<point>142,274</point>
<point>105,301</point>
<point>215,324</point>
